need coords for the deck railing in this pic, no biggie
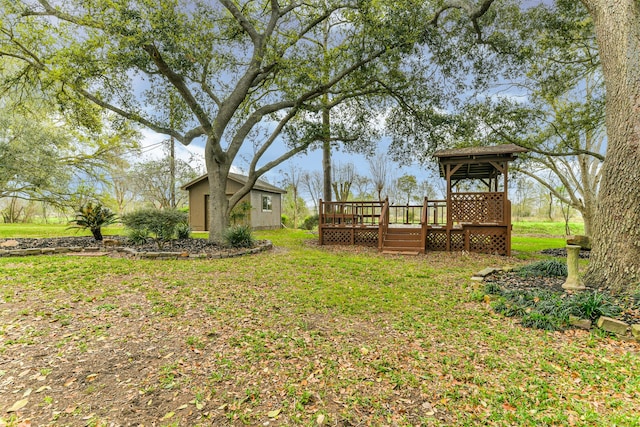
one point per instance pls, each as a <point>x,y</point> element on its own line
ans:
<point>368,213</point>
<point>436,213</point>
<point>350,213</point>
<point>405,214</point>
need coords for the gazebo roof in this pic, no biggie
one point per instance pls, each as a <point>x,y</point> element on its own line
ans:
<point>478,162</point>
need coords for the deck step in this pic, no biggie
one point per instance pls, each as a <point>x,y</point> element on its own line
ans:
<point>404,231</point>
<point>402,252</point>
<point>401,243</point>
<point>391,236</point>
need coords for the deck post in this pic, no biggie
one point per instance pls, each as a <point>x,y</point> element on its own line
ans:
<point>320,221</point>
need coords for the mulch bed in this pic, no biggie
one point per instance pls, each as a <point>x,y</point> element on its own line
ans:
<point>191,246</point>
<point>562,253</point>
<point>512,281</point>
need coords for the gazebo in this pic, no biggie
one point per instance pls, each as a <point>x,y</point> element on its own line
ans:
<point>473,221</point>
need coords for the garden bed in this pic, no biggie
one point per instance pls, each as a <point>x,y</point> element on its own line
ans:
<point>120,245</point>
<point>525,287</point>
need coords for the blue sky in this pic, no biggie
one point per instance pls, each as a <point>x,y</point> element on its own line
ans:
<point>308,162</point>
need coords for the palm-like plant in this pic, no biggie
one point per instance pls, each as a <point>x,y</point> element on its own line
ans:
<point>93,217</point>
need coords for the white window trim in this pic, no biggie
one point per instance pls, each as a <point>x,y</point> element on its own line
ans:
<point>270,204</point>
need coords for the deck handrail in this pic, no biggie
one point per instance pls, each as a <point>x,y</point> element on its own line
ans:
<point>423,224</point>
<point>383,223</point>
<point>439,207</point>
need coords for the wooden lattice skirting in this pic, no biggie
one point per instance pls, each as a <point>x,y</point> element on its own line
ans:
<point>350,236</point>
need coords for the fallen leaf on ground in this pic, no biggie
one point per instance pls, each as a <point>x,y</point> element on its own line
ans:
<point>18,405</point>
<point>274,413</point>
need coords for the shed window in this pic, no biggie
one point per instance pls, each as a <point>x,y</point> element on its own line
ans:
<point>266,203</point>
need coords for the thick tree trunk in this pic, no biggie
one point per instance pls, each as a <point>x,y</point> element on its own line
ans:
<point>615,258</point>
<point>217,172</point>
<point>589,174</point>
<point>326,155</point>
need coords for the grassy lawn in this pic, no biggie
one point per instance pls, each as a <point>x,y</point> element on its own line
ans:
<point>300,335</point>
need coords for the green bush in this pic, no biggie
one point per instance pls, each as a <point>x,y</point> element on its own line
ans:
<point>284,220</point>
<point>591,305</point>
<point>311,222</point>
<point>239,236</point>
<point>546,268</point>
<point>183,231</point>
<point>138,237</point>
<point>538,320</point>
<point>492,288</point>
<point>93,217</point>
<point>544,309</point>
<point>158,224</point>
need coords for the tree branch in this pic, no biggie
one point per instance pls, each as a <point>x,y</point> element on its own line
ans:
<point>474,12</point>
<point>242,20</point>
<point>178,82</point>
<point>185,139</point>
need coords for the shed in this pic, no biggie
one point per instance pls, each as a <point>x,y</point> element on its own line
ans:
<point>265,201</point>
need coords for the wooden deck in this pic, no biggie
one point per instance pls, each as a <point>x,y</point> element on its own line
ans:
<point>474,222</point>
<point>465,221</point>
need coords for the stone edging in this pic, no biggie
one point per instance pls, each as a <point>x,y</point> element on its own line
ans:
<point>621,329</point>
<point>104,250</point>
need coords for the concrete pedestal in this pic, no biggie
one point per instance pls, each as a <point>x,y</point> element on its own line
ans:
<point>573,282</point>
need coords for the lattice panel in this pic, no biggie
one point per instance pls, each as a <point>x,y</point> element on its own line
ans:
<point>457,241</point>
<point>437,240</point>
<point>488,242</point>
<point>477,207</point>
<point>336,236</point>
<point>366,237</point>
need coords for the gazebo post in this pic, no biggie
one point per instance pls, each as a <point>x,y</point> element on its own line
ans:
<point>449,216</point>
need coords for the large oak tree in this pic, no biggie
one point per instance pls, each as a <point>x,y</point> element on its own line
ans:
<point>615,258</point>
<point>242,73</point>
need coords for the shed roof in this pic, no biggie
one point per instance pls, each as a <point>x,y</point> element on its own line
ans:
<point>240,179</point>
<point>479,162</point>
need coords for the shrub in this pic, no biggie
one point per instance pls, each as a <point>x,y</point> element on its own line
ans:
<point>492,288</point>
<point>159,224</point>
<point>138,237</point>
<point>591,305</point>
<point>93,217</point>
<point>183,231</point>
<point>239,237</point>
<point>538,309</point>
<point>311,222</point>
<point>284,220</point>
<point>538,320</point>
<point>549,268</point>
<point>508,309</point>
